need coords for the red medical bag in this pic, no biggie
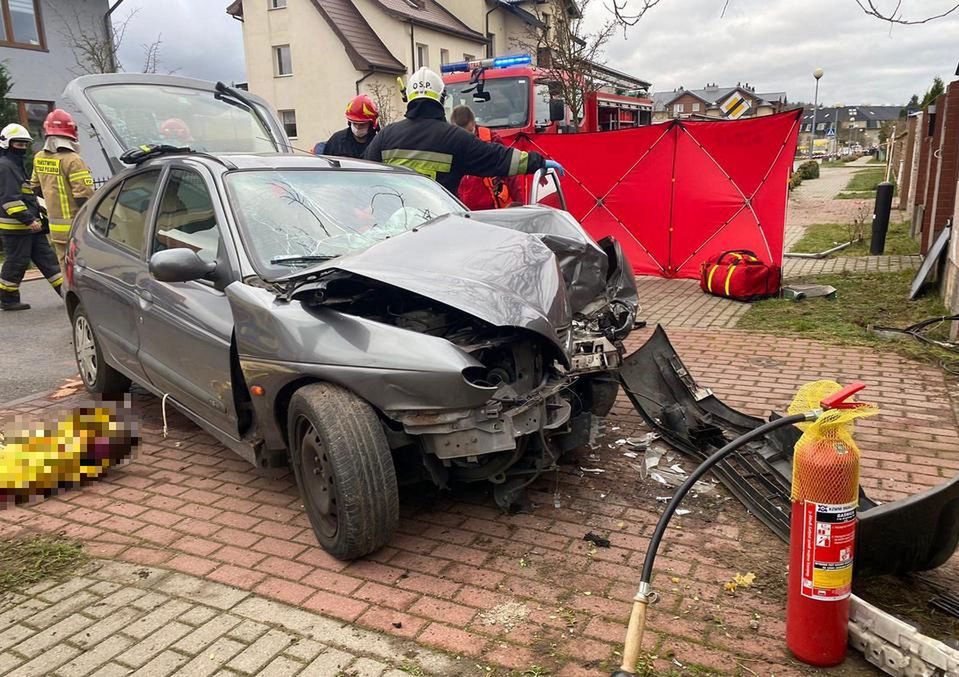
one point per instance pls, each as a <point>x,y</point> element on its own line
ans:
<point>739,275</point>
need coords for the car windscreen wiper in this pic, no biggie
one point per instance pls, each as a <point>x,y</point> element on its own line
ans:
<point>302,258</point>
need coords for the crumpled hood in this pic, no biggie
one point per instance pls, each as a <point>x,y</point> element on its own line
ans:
<point>507,278</point>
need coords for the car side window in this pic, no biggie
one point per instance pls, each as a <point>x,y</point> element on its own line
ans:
<point>186,218</point>
<point>100,221</point>
<point>129,221</point>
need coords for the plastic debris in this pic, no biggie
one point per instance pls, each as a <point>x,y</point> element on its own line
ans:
<point>595,471</point>
<point>630,454</point>
<point>682,511</point>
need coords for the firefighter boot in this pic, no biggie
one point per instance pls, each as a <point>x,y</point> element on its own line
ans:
<point>10,300</point>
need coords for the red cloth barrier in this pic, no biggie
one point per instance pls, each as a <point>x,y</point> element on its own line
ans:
<point>678,193</point>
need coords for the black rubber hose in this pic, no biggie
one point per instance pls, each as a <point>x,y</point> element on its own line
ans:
<point>699,472</point>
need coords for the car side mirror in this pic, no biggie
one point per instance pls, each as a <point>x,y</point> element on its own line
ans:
<point>557,110</point>
<point>179,265</point>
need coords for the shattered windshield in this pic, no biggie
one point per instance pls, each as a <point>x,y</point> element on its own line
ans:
<point>508,105</point>
<point>292,218</point>
<point>180,116</point>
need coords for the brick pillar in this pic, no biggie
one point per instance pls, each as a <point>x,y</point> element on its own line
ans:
<point>906,178</point>
<point>924,156</point>
<point>944,193</point>
<point>932,170</point>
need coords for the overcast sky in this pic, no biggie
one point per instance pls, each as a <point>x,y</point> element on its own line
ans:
<point>772,44</point>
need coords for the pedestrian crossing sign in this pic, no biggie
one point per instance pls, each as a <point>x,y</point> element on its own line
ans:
<point>735,106</point>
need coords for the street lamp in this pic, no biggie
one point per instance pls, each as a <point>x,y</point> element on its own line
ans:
<point>812,139</point>
<point>836,129</point>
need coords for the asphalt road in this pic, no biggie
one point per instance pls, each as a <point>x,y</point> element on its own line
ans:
<point>36,353</point>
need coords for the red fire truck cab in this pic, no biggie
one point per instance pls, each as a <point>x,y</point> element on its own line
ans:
<point>511,96</point>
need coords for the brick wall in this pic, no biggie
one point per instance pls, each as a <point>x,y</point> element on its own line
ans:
<point>950,283</point>
<point>927,176</point>
<point>942,196</point>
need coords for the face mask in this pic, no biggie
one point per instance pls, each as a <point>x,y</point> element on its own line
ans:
<point>360,131</point>
<point>18,151</point>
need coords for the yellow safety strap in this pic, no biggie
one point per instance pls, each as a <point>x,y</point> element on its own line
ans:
<point>16,210</point>
<point>709,281</point>
<point>11,224</point>
<point>59,227</point>
<point>729,276</point>
<point>64,199</point>
<point>8,286</point>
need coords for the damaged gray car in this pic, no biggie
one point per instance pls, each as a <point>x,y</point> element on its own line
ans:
<point>352,320</point>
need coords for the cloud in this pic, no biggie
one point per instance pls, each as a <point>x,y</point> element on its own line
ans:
<point>776,44</point>
<point>199,39</point>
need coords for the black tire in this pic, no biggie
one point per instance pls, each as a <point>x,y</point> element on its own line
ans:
<point>344,469</point>
<point>98,376</point>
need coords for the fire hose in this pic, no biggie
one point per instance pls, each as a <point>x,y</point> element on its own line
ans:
<point>645,594</point>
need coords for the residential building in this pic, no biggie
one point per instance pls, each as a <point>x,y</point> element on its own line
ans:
<point>715,102</point>
<point>40,60</point>
<point>848,125</point>
<point>309,57</point>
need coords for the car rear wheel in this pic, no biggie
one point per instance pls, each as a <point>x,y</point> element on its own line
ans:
<point>98,376</point>
<point>344,468</point>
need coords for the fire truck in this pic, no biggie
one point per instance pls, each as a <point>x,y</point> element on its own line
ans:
<point>511,95</point>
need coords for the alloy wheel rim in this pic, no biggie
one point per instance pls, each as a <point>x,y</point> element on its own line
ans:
<point>86,348</point>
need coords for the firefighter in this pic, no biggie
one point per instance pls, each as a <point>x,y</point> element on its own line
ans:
<point>175,132</point>
<point>484,192</point>
<point>24,235</point>
<point>428,144</point>
<point>361,116</point>
<point>62,177</point>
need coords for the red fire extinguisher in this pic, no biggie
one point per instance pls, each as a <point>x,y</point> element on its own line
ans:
<point>825,493</point>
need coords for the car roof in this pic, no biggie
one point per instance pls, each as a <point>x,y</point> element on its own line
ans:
<point>277,161</point>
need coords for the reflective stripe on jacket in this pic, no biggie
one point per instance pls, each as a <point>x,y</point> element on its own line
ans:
<point>63,178</point>
<point>426,143</point>
<point>18,204</point>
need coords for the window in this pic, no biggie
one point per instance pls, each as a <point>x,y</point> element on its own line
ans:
<point>129,219</point>
<point>492,44</point>
<point>277,4</point>
<point>444,56</point>
<point>288,118</point>
<point>186,218</point>
<point>469,57</point>
<point>422,56</point>
<point>101,217</point>
<point>31,115</point>
<point>21,24</point>
<point>282,61</point>
<point>678,108</point>
<point>696,107</point>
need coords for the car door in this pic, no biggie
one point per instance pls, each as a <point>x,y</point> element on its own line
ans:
<point>185,328</point>
<point>111,261</point>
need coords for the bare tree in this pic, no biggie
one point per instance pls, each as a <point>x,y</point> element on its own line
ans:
<point>385,99</point>
<point>96,52</point>
<point>628,13</point>
<point>895,14</point>
<point>569,54</point>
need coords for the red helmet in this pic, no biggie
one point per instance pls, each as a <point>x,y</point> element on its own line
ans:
<point>60,123</point>
<point>362,109</point>
<point>175,129</point>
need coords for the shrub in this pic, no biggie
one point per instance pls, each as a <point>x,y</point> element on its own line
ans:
<point>794,180</point>
<point>809,170</point>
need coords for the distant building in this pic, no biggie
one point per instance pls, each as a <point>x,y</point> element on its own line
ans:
<point>715,102</point>
<point>41,62</point>
<point>309,57</point>
<point>848,125</point>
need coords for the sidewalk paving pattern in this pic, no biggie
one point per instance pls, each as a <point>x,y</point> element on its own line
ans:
<point>122,619</point>
<point>213,566</point>
<point>522,590</point>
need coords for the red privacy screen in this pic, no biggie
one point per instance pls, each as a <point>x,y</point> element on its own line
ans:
<point>680,192</point>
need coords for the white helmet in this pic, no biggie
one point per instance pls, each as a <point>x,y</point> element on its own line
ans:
<point>425,84</point>
<point>13,132</point>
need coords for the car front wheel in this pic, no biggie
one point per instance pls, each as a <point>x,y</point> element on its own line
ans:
<point>344,469</point>
<point>98,376</point>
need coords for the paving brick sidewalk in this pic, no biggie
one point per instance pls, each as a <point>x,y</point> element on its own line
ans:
<point>793,268</point>
<point>522,590</point>
<point>121,619</point>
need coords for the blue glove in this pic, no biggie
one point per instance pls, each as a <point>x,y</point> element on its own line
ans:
<point>553,164</point>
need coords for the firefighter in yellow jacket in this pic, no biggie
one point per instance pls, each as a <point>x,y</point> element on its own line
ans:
<point>61,176</point>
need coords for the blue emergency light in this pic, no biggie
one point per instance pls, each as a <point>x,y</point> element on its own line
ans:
<point>497,62</point>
